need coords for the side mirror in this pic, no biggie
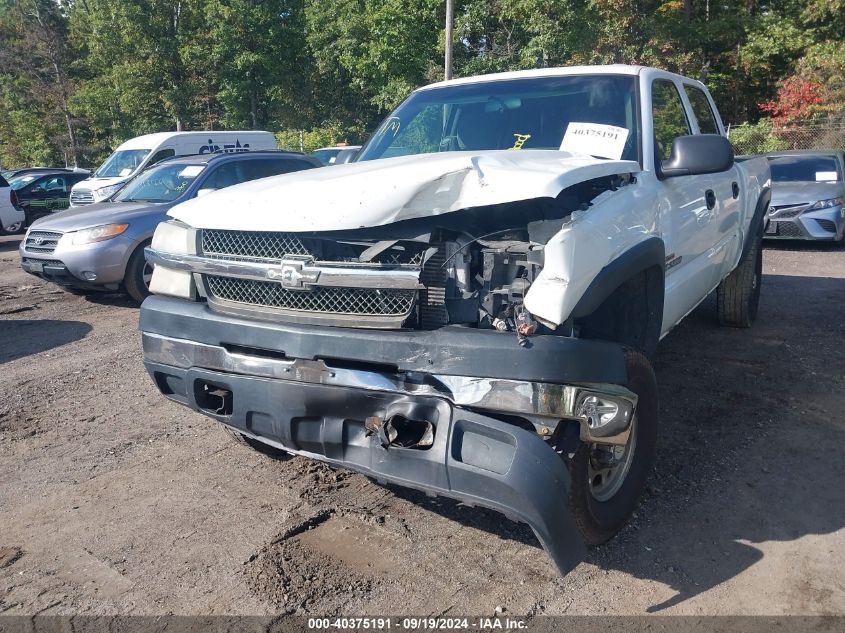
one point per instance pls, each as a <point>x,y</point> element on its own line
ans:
<point>205,192</point>
<point>698,154</point>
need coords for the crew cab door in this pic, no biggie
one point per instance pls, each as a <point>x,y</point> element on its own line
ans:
<point>691,210</point>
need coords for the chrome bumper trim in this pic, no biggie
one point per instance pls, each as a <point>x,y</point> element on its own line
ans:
<point>294,273</point>
<point>587,403</point>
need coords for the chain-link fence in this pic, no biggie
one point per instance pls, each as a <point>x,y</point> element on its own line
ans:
<point>763,137</point>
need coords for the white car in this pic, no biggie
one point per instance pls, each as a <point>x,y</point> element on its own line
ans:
<point>141,152</point>
<point>469,308</point>
<point>12,217</point>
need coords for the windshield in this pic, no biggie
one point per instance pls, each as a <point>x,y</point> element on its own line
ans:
<point>577,113</point>
<point>326,156</point>
<point>164,183</point>
<point>804,169</point>
<point>122,163</point>
<point>21,181</point>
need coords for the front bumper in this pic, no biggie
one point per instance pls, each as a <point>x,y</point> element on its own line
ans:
<point>823,225</point>
<point>70,265</point>
<point>326,393</point>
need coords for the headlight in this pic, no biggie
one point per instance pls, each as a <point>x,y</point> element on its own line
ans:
<point>97,233</point>
<point>105,192</point>
<point>827,204</point>
<point>175,237</point>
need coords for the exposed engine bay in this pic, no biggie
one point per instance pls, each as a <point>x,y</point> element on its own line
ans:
<point>477,265</point>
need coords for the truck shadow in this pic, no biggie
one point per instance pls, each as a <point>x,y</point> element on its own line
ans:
<point>24,337</point>
<point>802,246</point>
<point>751,438</point>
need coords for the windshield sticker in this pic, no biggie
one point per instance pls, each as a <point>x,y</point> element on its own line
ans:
<point>520,140</point>
<point>595,139</point>
<point>391,125</point>
<point>125,171</point>
<point>191,171</point>
<point>826,176</point>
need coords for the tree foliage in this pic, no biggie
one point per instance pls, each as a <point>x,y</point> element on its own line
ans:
<point>79,76</point>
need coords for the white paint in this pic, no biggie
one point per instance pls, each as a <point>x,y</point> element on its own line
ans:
<point>374,193</point>
<point>704,243</point>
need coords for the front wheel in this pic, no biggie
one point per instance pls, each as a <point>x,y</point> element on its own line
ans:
<point>13,229</point>
<point>606,481</point>
<point>139,272</point>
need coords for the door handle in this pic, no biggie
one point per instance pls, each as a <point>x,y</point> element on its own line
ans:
<point>710,199</point>
<point>735,190</point>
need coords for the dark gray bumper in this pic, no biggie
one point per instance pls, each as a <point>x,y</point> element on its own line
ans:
<point>456,351</point>
<point>475,457</point>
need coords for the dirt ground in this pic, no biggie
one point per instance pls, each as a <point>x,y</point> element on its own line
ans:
<point>116,501</point>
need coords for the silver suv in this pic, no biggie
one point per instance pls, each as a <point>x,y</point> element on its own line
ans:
<point>101,246</point>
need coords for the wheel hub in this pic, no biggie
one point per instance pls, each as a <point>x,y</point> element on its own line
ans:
<point>608,466</point>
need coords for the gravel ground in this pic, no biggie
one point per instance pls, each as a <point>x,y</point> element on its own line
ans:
<point>116,501</point>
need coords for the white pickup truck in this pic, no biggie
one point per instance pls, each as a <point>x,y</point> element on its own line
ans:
<point>469,308</point>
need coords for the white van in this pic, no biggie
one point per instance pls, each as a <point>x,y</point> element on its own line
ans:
<point>141,152</point>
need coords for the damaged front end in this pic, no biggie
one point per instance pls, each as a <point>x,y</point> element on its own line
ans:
<point>404,351</point>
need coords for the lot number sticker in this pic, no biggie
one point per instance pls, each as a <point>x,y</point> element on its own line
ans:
<point>595,139</point>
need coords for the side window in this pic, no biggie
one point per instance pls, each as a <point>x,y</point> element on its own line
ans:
<point>54,184</point>
<point>159,156</point>
<point>670,120</point>
<point>224,176</point>
<point>255,169</point>
<point>702,110</point>
<point>264,168</point>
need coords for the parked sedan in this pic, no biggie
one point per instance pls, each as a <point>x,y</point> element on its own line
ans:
<point>41,194</point>
<point>807,196</point>
<point>11,217</point>
<point>8,174</point>
<point>101,246</point>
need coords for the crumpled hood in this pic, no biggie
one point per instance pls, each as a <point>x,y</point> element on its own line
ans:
<point>379,192</point>
<point>77,218</point>
<point>804,192</point>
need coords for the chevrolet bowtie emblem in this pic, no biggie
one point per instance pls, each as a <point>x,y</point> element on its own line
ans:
<point>293,274</point>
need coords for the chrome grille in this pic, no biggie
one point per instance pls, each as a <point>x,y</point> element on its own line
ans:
<point>41,241</point>
<point>81,196</point>
<point>274,246</point>
<point>326,300</point>
<point>788,210</point>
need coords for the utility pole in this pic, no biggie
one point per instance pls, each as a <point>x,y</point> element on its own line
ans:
<point>449,20</point>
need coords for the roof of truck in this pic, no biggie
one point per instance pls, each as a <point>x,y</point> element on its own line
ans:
<point>561,71</point>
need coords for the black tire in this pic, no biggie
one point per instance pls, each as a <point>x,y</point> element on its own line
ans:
<point>136,279</point>
<point>20,229</point>
<point>261,447</point>
<point>738,296</point>
<point>598,520</point>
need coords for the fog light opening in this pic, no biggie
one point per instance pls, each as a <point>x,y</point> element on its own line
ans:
<point>213,398</point>
<point>89,275</point>
<point>406,433</point>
